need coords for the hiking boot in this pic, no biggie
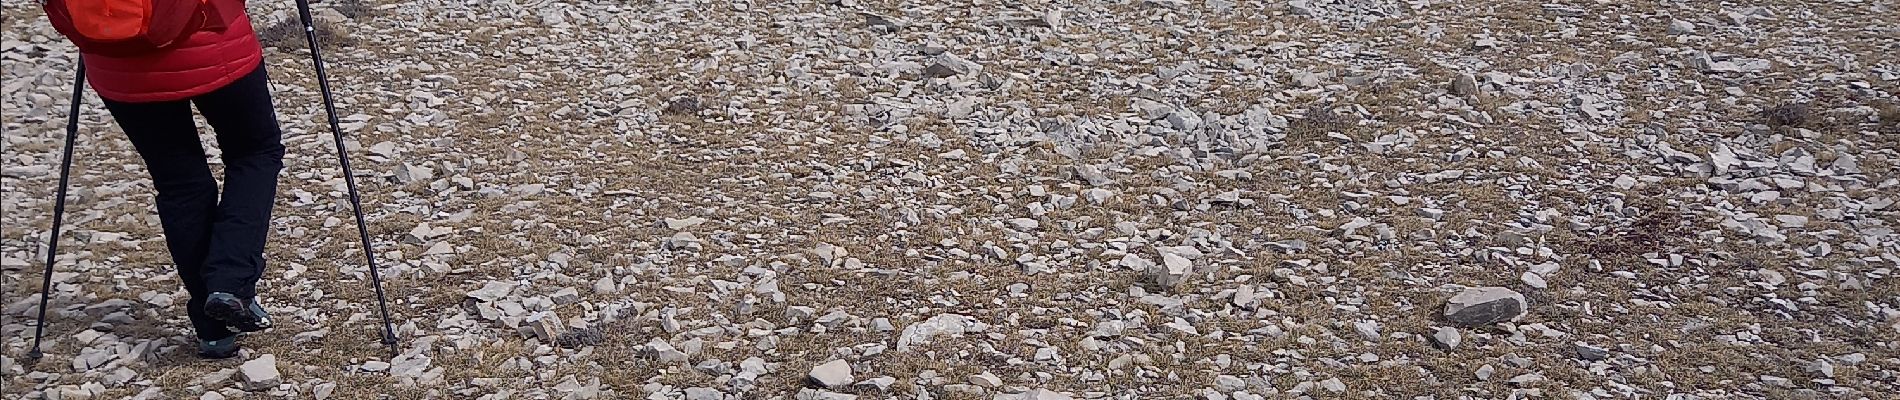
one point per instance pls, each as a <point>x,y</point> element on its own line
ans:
<point>241,315</point>
<point>218,349</point>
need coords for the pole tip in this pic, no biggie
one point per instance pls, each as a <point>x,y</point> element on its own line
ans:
<point>35,354</point>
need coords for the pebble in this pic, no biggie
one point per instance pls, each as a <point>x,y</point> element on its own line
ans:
<point>1526,379</point>
<point>1680,27</point>
<point>1591,353</point>
<point>665,352</point>
<point>1367,330</point>
<point>942,324</point>
<point>1333,385</point>
<point>1464,85</point>
<point>1534,280</point>
<point>1447,338</point>
<point>1173,270</point>
<point>1035,394</point>
<point>882,383</point>
<point>834,374</point>
<point>1484,306</point>
<point>986,380</point>
<point>683,223</point>
<point>704,393</point>
<point>1822,368</point>
<point>1093,175</point>
<point>547,326</point>
<point>948,65</point>
<point>1229,383</point>
<point>260,373</point>
<point>323,390</point>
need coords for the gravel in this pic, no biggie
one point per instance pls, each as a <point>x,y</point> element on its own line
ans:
<point>1101,200</point>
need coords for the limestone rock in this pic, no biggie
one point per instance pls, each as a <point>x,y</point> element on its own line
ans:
<point>834,374</point>
<point>260,373</point>
<point>1484,306</point>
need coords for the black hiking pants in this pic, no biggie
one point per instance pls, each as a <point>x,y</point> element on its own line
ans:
<point>217,244</point>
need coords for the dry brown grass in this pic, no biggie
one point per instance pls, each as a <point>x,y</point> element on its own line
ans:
<point>1889,113</point>
<point>288,35</point>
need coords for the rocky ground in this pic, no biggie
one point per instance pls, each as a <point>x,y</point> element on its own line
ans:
<point>1124,199</point>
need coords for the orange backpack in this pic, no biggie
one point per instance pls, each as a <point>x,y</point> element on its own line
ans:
<point>130,27</point>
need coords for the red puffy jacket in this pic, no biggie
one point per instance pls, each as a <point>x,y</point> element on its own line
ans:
<point>203,62</point>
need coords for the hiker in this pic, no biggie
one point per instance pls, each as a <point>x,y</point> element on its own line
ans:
<point>151,65</point>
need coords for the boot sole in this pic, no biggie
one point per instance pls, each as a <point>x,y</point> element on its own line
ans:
<point>217,356</point>
<point>236,315</point>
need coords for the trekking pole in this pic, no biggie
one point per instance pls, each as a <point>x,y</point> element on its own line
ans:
<point>349,179</point>
<point>59,204</point>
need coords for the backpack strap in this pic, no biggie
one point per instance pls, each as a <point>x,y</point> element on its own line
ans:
<point>214,19</point>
